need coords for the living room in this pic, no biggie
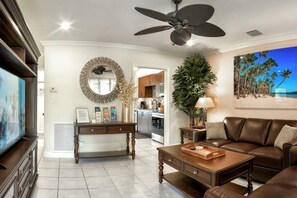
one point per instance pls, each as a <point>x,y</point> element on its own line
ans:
<point>95,33</point>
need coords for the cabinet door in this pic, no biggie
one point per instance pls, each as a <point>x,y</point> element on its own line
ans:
<point>141,87</point>
<point>160,77</point>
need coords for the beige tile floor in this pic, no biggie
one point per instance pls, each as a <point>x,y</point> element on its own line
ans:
<point>112,177</point>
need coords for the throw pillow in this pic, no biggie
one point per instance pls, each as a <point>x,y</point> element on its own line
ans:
<point>286,134</point>
<point>215,130</point>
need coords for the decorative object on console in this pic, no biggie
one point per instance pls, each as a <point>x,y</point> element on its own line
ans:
<point>266,79</point>
<point>99,78</point>
<point>106,114</point>
<point>126,95</point>
<point>98,114</point>
<point>113,113</point>
<point>190,82</point>
<point>188,20</point>
<point>286,134</point>
<point>82,115</point>
<point>204,103</point>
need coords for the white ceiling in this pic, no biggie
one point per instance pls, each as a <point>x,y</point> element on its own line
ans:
<point>116,21</point>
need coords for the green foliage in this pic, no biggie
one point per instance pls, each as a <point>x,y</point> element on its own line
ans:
<point>190,81</point>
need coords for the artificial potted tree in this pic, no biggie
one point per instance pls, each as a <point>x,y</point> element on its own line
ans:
<point>190,82</point>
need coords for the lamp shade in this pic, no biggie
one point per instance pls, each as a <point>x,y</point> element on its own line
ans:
<point>204,102</point>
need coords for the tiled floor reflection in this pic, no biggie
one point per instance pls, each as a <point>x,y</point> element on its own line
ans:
<point>112,177</point>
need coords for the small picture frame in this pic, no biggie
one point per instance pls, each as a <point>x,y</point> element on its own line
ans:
<point>82,115</point>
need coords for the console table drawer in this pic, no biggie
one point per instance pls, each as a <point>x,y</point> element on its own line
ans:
<point>92,130</point>
<point>172,161</point>
<point>197,173</point>
<point>119,129</point>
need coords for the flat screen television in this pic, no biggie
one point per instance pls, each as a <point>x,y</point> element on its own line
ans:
<point>12,109</point>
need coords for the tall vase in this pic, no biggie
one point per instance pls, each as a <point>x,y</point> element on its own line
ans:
<point>126,117</point>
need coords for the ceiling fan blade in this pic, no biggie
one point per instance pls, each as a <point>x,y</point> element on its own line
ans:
<point>180,38</point>
<point>151,13</point>
<point>207,29</point>
<point>153,30</point>
<point>195,14</point>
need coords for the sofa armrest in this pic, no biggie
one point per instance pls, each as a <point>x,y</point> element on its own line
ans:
<point>199,135</point>
<point>286,152</point>
<point>293,156</point>
<point>220,192</point>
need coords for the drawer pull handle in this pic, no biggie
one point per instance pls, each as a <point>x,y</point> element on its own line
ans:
<point>120,129</point>
<point>170,160</point>
<point>92,130</point>
<point>195,172</point>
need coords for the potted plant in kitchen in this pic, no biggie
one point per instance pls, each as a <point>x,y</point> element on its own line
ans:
<point>190,82</point>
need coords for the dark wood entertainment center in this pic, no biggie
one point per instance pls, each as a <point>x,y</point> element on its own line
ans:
<point>19,55</point>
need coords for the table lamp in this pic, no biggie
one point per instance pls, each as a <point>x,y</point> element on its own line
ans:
<point>204,102</point>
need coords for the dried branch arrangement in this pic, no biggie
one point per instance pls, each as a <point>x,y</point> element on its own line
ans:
<point>126,91</point>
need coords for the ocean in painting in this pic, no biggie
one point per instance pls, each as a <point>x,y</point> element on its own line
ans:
<point>288,95</point>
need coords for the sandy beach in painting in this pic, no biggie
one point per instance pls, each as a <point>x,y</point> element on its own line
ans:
<point>265,102</point>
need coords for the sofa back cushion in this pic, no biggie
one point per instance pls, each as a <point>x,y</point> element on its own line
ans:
<point>233,126</point>
<point>255,130</point>
<point>275,128</point>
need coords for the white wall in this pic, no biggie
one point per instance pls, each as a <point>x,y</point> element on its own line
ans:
<point>63,62</point>
<point>222,91</point>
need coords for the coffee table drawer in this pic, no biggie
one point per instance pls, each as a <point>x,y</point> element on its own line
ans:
<point>172,161</point>
<point>197,173</point>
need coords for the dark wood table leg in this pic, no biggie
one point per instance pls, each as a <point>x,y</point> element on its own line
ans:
<point>76,145</point>
<point>161,175</point>
<point>128,142</point>
<point>181,137</point>
<point>133,145</point>
<point>250,179</point>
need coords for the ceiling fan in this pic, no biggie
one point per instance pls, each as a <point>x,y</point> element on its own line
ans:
<point>188,20</point>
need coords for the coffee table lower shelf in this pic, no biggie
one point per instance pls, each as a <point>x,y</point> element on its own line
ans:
<point>193,188</point>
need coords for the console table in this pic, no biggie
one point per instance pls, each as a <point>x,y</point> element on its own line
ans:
<point>115,127</point>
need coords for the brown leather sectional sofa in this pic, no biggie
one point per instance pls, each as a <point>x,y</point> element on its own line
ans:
<point>282,185</point>
<point>256,137</point>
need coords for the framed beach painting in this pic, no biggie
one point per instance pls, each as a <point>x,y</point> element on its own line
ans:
<point>266,79</point>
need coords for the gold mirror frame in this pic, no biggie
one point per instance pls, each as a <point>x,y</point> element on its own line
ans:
<point>84,84</point>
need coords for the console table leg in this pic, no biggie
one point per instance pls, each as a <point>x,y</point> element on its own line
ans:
<point>161,175</point>
<point>133,145</point>
<point>128,142</point>
<point>76,145</point>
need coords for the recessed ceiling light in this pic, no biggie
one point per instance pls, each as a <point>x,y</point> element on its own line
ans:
<point>65,25</point>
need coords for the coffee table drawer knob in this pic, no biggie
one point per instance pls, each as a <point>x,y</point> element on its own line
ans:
<point>195,172</point>
<point>170,160</point>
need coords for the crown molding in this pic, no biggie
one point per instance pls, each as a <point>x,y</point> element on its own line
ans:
<point>260,41</point>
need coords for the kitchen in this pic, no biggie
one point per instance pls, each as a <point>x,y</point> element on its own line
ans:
<point>149,110</point>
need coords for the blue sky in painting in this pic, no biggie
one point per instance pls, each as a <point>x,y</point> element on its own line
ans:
<point>286,58</point>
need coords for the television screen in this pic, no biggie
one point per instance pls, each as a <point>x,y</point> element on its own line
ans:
<point>12,109</point>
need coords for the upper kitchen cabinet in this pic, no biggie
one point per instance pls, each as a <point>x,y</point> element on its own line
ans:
<point>148,86</point>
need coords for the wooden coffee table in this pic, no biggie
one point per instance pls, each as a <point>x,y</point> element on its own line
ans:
<point>196,175</point>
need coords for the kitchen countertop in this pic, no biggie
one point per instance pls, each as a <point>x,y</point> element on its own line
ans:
<point>148,110</point>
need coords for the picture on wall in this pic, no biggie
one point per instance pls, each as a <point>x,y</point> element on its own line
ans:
<point>266,79</point>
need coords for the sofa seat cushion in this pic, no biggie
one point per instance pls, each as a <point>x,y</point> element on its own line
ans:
<point>241,147</point>
<point>286,177</point>
<point>268,156</point>
<point>215,142</point>
<point>271,190</point>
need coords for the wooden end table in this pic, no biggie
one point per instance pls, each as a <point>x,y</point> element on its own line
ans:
<point>196,175</point>
<point>187,132</point>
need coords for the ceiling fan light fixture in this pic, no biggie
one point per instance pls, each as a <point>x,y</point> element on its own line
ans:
<point>180,38</point>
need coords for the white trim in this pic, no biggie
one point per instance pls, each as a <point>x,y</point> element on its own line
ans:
<point>112,45</point>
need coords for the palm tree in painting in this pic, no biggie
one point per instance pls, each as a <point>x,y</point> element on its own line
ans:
<point>285,74</point>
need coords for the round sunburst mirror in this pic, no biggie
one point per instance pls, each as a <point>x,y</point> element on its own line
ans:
<point>99,78</point>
